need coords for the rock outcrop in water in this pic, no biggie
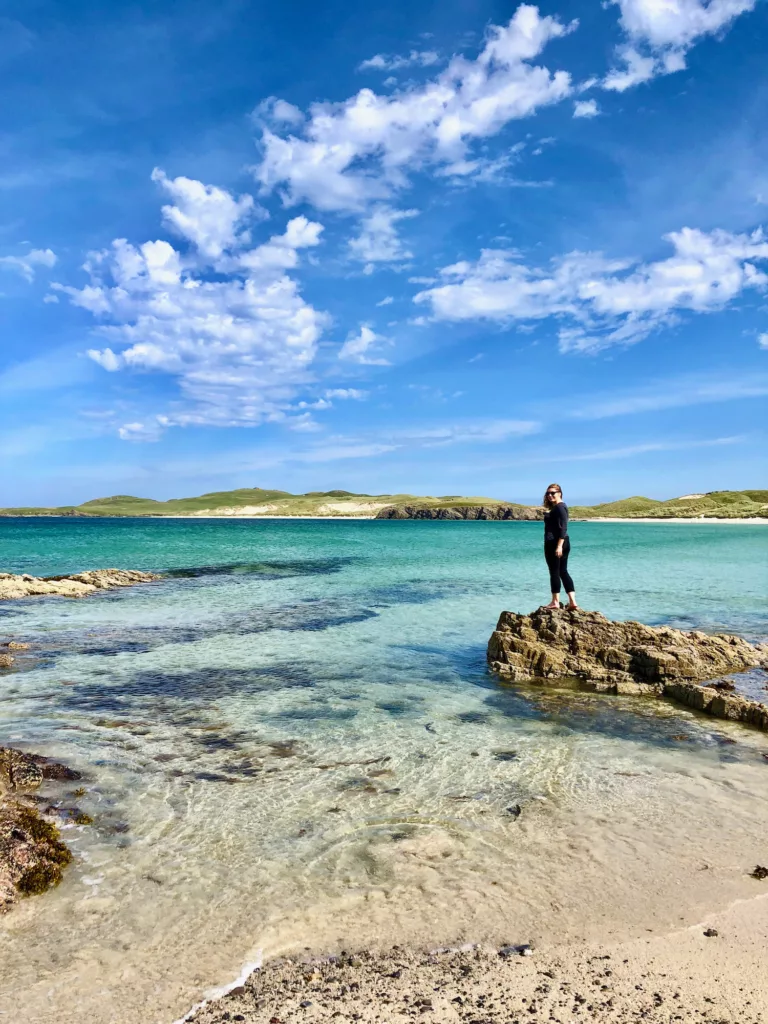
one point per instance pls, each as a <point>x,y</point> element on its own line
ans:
<point>626,658</point>
<point>77,585</point>
<point>517,512</point>
<point>32,855</point>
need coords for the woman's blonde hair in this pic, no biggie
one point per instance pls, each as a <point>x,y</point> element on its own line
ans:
<point>552,487</point>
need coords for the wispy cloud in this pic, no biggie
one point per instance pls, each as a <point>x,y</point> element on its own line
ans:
<point>51,372</point>
<point>362,150</point>
<point>491,431</point>
<point>608,301</point>
<point>394,62</point>
<point>361,347</point>
<point>672,394</point>
<point>378,240</point>
<point>644,449</point>
<point>27,264</point>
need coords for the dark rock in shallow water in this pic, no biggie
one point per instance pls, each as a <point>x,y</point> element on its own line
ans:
<point>19,770</point>
<point>626,658</point>
<point>32,855</point>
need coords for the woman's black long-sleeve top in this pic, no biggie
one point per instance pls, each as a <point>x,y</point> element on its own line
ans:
<point>556,522</point>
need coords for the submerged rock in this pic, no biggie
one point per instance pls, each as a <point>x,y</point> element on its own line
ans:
<point>22,771</point>
<point>553,645</point>
<point>76,585</point>
<point>32,855</point>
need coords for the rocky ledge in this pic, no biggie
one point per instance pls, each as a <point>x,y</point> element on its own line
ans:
<point>552,646</point>
<point>77,585</point>
<point>518,512</point>
<point>32,855</point>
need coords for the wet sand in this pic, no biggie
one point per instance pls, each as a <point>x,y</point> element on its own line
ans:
<point>712,971</point>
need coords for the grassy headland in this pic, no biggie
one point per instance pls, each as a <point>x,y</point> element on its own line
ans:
<point>257,501</point>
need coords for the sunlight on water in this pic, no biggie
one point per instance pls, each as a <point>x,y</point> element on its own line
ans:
<point>293,740</point>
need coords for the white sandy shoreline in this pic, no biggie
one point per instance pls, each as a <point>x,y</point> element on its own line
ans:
<point>693,973</point>
<point>752,521</point>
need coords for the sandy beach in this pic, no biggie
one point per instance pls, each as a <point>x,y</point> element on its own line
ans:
<point>711,971</point>
<point>752,521</point>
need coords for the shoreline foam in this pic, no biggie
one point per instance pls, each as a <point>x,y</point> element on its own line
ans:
<point>702,972</point>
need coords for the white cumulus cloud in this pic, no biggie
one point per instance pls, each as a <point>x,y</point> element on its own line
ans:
<point>660,32</point>
<point>207,216</point>
<point>352,153</point>
<point>585,108</point>
<point>357,348</point>
<point>344,393</point>
<point>226,321</point>
<point>26,265</point>
<point>762,340</point>
<point>603,302</point>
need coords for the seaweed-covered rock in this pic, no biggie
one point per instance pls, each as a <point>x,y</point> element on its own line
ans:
<point>626,657</point>
<point>76,585</point>
<point>19,770</point>
<point>32,855</point>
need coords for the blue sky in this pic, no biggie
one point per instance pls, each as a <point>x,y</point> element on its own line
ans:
<point>454,248</point>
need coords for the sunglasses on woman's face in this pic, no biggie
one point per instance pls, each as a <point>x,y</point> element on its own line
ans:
<point>551,494</point>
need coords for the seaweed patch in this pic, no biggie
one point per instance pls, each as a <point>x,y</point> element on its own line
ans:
<point>268,570</point>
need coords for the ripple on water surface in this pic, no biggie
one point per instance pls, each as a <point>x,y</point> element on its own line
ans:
<point>294,739</point>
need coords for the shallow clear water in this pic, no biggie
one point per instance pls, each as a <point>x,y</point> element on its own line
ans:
<point>293,740</point>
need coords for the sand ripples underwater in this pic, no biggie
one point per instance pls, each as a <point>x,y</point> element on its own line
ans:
<point>292,739</point>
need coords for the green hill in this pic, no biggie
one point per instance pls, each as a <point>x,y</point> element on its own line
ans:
<point>714,505</point>
<point>339,503</point>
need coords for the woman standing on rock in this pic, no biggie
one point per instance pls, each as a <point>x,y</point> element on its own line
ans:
<point>557,546</point>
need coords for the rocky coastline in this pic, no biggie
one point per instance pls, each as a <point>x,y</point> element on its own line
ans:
<point>32,854</point>
<point>79,584</point>
<point>553,647</point>
<point>520,513</point>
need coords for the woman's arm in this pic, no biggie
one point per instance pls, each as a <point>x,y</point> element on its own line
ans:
<point>561,527</point>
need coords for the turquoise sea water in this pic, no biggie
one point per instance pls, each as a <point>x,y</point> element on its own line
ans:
<point>293,739</point>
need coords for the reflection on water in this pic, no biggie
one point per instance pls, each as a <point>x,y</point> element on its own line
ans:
<point>294,739</point>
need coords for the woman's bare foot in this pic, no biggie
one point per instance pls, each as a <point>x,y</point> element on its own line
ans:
<point>552,604</point>
<point>572,607</point>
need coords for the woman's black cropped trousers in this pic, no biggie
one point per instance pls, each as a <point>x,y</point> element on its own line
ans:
<point>558,567</point>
